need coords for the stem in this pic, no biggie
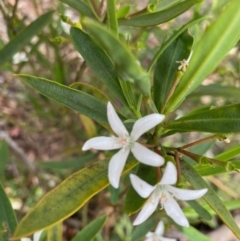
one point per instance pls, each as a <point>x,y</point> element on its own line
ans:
<point>176,157</point>
<point>196,158</point>
<point>200,141</point>
<point>112,16</point>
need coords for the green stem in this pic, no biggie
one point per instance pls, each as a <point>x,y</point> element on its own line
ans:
<point>112,16</point>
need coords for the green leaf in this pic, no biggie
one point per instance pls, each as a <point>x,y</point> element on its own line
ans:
<point>125,61</point>
<point>192,234</point>
<point>230,205</point>
<point>8,221</point>
<point>173,37</point>
<point>23,38</point>
<point>90,231</point>
<point>202,212</point>
<point>123,11</point>
<point>133,202</point>
<point>75,164</point>
<point>67,197</point>
<point>214,170</point>
<point>74,99</point>
<point>229,153</point>
<point>141,230</point>
<point>79,6</point>
<point>4,154</point>
<point>98,61</point>
<point>226,91</point>
<point>215,43</point>
<point>166,68</point>
<point>210,197</point>
<point>223,119</point>
<point>156,18</point>
<point>55,232</point>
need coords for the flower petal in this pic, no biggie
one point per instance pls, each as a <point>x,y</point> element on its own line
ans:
<point>145,124</point>
<point>116,166</point>
<point>148,209</point>
<point>150,234</point>
<point>115,122</point>
<point>141,187</point>
<point>169,175</point>
<point>183,194</point>
<point>146,156</point>
<point>37,235</point>
<point>174,211</point>
<point>160,228</point>
<point>102,143</point>
<point>167,239</point>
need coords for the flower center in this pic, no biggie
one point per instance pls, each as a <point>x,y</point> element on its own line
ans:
<point>126,141</point>
<point>163,191</point>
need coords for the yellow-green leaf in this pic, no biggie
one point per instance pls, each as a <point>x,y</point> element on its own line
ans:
<point>67,197</point>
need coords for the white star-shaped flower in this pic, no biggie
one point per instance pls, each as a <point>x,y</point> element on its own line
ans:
<point>163,193</point>
<point>158,234</point>
<point>127,142</point>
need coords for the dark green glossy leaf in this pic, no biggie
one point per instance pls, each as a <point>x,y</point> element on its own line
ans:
<point>90,231</point>
<point>166,68</point>
<point>133,202</point>
<point>98,61</point>
<point>224,119</point>
<point>79,6</point>
<point>126,63</point>
<point>163,16</point>
<point>215,43</point>
<point>23,38</point>
<point>67,197</point>
<point>210,197</point>
<point>74,99</point>
<point>8,221</point>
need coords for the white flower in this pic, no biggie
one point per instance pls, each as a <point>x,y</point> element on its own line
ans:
<point>36,237</point>
<point>126,142</point>
<point>163,193</point>
<point>157,235</point>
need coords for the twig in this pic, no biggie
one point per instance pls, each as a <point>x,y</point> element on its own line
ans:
<point>15,147</point>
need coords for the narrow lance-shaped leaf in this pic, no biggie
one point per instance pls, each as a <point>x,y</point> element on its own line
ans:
<point>67,197</point>
<point>224,119</point>
<point>91,230</point>
<point>24,37</point>
<point>8,221</point>
<point>79,6</point>
<point>215,43</point>
<point>152,19</point>
<point>166,68</point>
<point>98,61</point>
<point>210,197</point>
<point>74,99</point>
<point>126,63</point>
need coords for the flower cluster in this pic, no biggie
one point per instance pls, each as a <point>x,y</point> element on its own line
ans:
<point>162,192</point>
